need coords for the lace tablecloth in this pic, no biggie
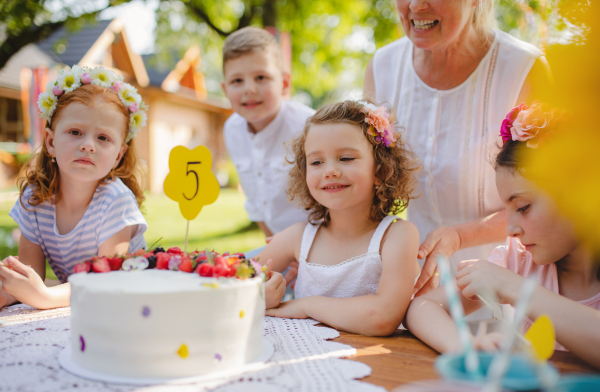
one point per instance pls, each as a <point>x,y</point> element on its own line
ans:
<point>303,360</point>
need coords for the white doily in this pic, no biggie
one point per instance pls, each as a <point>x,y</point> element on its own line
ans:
<point>303,360</point>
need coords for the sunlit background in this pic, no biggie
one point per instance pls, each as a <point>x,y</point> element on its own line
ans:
<point>171,51</point>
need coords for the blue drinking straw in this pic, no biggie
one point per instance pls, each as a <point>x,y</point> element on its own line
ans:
<point>501,361</point>
<point>458,314</point>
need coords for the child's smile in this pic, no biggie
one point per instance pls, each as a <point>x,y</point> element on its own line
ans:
<point>340,169</point>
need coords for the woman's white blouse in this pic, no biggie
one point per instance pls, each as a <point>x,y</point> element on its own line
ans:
<point>454,132</point>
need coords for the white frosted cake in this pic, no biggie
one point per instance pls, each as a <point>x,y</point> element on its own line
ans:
<point>164,324</point>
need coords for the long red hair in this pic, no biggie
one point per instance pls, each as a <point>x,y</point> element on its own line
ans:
<point>42,175</point>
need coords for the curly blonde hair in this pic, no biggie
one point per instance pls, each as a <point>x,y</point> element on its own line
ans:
<point>395,166</point>
<point>42,174</point>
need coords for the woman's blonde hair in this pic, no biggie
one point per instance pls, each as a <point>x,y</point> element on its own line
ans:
<point>484,17</point>
<point>394,166</point>
<point>42,175</point>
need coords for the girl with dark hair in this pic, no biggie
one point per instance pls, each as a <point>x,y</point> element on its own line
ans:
<point>541,242</point>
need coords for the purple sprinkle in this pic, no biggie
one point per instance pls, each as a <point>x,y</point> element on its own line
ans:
<point>218,357</point>
<point>82,343</point>
<point>146,311</point>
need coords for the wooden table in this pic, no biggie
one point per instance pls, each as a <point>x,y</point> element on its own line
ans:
<point>402,358</point>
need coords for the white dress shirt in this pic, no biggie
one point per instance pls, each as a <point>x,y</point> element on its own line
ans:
<point>454,132</point>
<point>260,162</point>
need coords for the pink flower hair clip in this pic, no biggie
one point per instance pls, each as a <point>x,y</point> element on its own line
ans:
<point>531,124</point>
<point>380,126</point>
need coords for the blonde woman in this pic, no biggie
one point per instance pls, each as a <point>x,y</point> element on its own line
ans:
<point>451,80</point>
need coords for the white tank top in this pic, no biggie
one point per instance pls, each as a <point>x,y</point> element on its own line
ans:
<point>454,132</point>
<point>354,277</point>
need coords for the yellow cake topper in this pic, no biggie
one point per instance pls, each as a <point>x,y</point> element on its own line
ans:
<point>541,336</point>
<point>190,181</point>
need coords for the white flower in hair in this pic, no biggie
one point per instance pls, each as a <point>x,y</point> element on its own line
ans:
<point>368,106</point>
<point>69,81</point>
<point>102,77</point>
<point>129,95</point>
<point>47,103</point>
<point>136,121</point>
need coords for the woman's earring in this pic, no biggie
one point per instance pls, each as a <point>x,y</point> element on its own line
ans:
<point>53,160</point>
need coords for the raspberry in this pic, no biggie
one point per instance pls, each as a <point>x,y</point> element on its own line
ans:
<point>186,265</point>
<point>115,263</point>
<point>162,261</point>
<point>205,269</point>
<point>101,265</point>
<point>146,255</point>
<point>175,251</point>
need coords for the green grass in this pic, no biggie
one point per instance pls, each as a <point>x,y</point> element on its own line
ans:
<point>222,226</point>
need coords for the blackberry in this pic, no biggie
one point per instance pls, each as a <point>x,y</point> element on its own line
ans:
<point>159,250</point>
<point>151,262</point>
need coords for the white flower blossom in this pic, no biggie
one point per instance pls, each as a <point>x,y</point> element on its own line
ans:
<point>129,95</point>
<point>135,264</point>
<point>136,121</point>
<point>69,81</point>
<point>103,77</point>
<point>47,103</point>
<point>368,106</point>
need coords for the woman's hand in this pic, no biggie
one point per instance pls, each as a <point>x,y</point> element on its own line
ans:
<point>274,287</point>
<point>22,282</point>
<point>476,277</point>
<point>441,241</point>
<point>289,309</point>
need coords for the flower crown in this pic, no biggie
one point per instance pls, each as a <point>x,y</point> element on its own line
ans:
<point>532,124</point>
<point>380,126</point>
<point>69,81</point>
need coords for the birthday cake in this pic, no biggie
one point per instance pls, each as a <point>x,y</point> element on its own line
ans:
<point>166,314</point>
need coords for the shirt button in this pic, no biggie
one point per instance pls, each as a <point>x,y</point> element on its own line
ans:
<point>265,202</point>
<point>259,173</point>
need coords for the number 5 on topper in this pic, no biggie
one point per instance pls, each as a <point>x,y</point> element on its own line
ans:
<point>190,181</point>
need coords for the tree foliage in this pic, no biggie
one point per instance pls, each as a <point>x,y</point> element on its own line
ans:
<point>332,40</point>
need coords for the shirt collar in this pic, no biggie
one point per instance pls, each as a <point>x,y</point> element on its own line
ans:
<point>272,128</point>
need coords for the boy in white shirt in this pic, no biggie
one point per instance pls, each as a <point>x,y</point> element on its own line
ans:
<point>255,84</point>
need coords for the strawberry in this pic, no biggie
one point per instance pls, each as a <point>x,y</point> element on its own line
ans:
<point>220,260</point>
<point>201,259</point>
<point>221,270</point>
<point>101,265</point>
<point>175,251</point>
<point>225,254</point>
<point>115,263</point>
<point>82,267</point>
<point>162,260</point>
<point>186,265</point>
<point>232,271</point>
<point>205,269</point>
<point>139,252</point>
